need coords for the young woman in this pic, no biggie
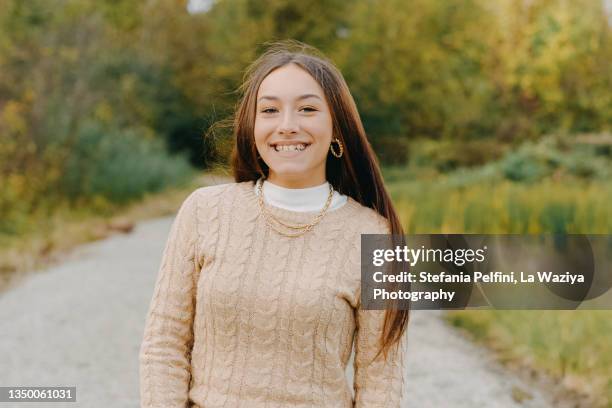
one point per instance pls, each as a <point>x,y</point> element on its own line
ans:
<point>257,301</point>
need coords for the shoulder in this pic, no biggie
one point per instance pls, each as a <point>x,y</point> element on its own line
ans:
<point>370,220</point>
<point>213,194</point>
<point>202,208</point>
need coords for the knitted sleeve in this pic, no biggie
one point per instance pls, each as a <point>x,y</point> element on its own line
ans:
<point>165,352</point>
<point>378,383</point>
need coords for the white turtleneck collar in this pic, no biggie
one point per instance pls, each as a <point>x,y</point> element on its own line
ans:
<point>301,199</point>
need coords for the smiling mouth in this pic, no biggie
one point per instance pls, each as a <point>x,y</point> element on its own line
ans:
<point>298,147</point>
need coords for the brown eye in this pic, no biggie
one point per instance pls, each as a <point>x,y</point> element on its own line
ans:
<point>268,110</point>
<point>309,109</point>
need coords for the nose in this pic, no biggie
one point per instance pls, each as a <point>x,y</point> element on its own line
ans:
<point>288,124</point>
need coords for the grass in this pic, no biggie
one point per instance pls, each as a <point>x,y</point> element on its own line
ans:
<point>574,347</point>
<point>503,207</point>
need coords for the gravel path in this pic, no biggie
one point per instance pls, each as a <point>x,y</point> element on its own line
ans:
<point>81,324</point>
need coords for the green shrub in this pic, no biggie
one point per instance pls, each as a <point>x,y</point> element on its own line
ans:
<point>524,166</point>
<point>555,154</point>
<point>451,155</point>
<point>119,165</point>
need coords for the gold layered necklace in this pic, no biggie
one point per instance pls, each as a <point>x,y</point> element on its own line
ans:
<point>299,229</point>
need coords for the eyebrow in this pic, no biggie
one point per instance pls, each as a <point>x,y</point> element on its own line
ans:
<point>299,98</point>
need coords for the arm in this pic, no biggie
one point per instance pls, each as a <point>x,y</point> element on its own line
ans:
<point>165,352</point>
<point>378,384</point>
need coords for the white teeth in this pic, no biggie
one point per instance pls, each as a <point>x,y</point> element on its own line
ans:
<point>289,148</point>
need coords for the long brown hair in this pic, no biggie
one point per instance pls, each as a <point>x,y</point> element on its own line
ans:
<point>357,174</point>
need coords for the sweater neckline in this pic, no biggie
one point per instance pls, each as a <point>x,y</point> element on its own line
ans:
<point>301,199</point>
<point>348,208</point>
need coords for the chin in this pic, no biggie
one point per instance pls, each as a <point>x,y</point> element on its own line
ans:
<point>289,168</point>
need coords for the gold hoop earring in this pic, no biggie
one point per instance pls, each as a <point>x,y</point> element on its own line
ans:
<point>331,147</point>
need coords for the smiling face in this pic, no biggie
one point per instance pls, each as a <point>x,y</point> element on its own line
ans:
<point>293,127</point>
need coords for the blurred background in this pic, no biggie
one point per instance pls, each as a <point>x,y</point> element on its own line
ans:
<point>487,116</point>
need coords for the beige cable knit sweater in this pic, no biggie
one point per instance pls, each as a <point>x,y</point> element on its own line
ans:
<point>242,316</point>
